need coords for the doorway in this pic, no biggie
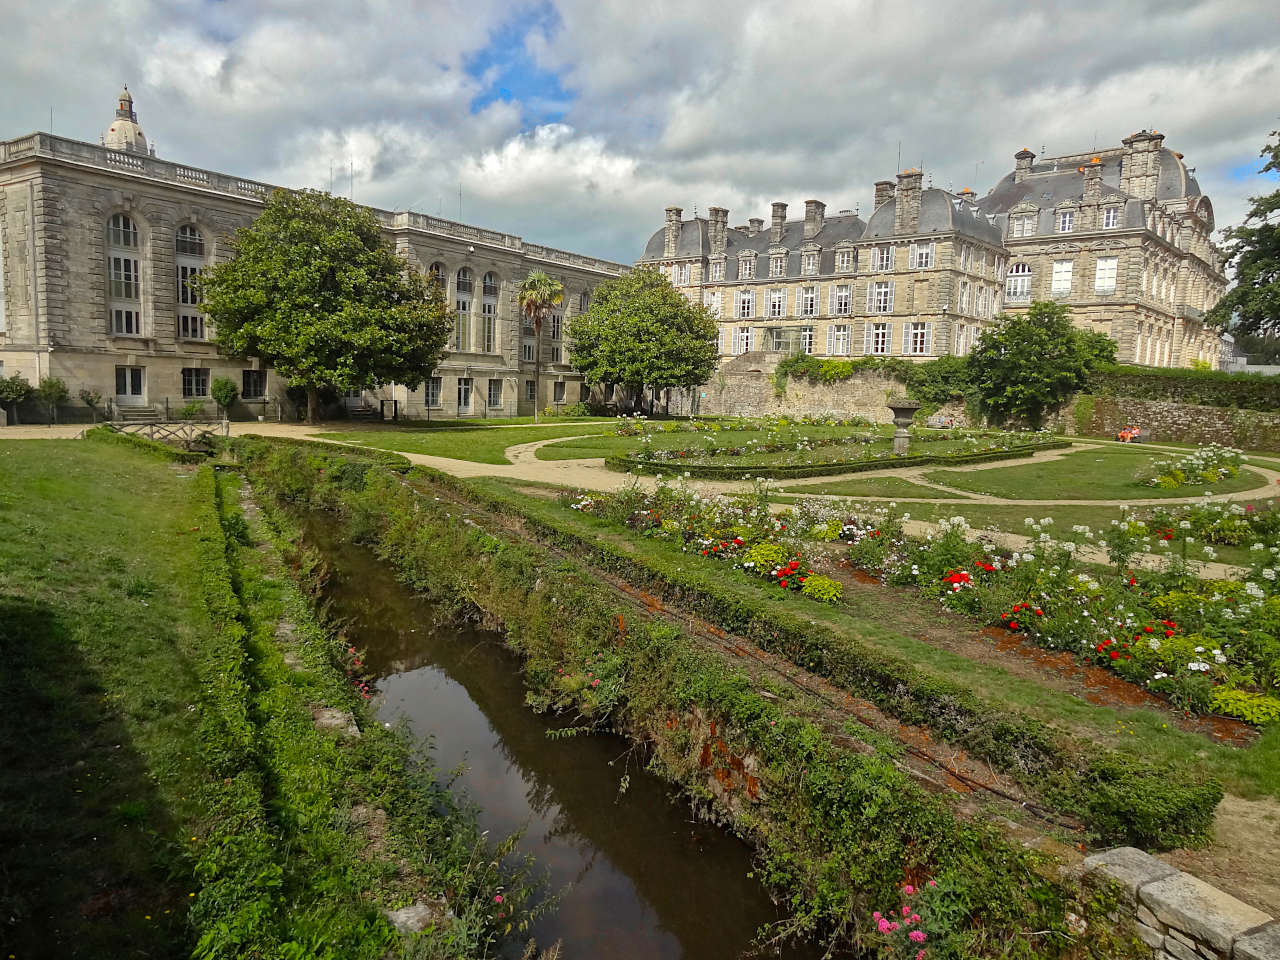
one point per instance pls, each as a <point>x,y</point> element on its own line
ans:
<point>130,383</point>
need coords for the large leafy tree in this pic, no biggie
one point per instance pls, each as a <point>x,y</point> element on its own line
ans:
<point>1253,248</point>
<point>640,332</point>
<point>315,291</point>
<point>539,294</point>
<point>1029,363</point>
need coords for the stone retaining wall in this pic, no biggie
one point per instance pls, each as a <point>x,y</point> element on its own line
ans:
<point>1182,918</point>
<point>1103,416</point>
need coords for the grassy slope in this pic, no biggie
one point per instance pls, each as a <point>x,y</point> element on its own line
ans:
<point>97,740</point>
<point>872,618</point>
<point>480,444</point>
<point>1098,474</point>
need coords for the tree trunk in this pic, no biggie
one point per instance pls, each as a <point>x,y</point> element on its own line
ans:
<point>537,366</point>
<point>313,404</point>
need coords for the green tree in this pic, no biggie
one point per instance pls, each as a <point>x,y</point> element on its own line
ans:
<point>315,291</point>
<point>53,391</point>
<point>640,332</point>
<point>1029,363</point>
<point>539,294</point>
<point>13,391</point>
<point>1253,248</point>
<point>91,399</point>
<point>224,392</point>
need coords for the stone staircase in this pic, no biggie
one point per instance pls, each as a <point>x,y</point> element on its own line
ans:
<point>137,414</point>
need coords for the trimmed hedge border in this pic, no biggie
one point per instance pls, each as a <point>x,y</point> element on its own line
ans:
<point>1210,388</point>
<point>788,472</point>
<point>161,450</point>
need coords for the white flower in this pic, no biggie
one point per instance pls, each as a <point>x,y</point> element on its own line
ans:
<point>1199,665</point>
<point>1153,643</point>
<point>1185,525</point>
<point>1269,573</point>
<point>1199,649</point>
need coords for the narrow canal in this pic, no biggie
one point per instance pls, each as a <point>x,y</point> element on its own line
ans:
<point>644,879</point>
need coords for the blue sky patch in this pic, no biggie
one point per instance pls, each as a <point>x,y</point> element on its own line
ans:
<point>510,74</point>
<point>1249,171</point>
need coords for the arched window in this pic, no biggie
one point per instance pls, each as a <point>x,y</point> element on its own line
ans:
<point>190,260</point>
<point>1018,286</point>
<point>583,301</point>
<point>462,302</point>
<point>124,277</point>
<point>436,272</point>
<point>464,280</point>
<point>489,313</point>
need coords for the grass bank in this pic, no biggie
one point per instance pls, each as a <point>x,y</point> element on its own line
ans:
<point>476,443</point>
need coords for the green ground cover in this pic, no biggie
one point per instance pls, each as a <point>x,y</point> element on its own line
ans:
<point>873,617</point>
<point>871,487</point>
<point>99,752</point>
<point>446,423</point>
<point>1095,474</point>
<point>480,444</point>
<point>611,446</point>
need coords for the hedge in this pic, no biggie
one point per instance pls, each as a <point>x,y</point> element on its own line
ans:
<point>715,471</point>
<point>161,450</point>
<point>835,828</point>
<point>1212,388</point>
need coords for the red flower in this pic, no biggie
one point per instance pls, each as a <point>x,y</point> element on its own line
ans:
<point>1168,633</point>
<point>1013,624</point>
<point>1149,629</point>
<point>782,583</point>
<point>1115,654</point>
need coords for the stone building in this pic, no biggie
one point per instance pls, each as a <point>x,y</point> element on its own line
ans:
<point>919,278</point>
<point>1124,237</point>
<point>1121,236</point>
<point>97,243</point>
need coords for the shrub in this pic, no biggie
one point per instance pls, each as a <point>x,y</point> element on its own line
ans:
<point>823,588</point>
<point>224,392</point>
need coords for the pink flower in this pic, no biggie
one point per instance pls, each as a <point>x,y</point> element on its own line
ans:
<point>497,898</point>
<point>915,918</point>
<point>919,936</point>
<point>876,915</point>
<point>595,683</point>
<point>908,889</point>
<point>893,927</point>
<point>933,883</point>
<point>906,911</point>
<point>920,955</point>
<point>883,925</point>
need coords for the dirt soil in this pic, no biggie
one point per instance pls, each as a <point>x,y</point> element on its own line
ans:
<point>1244,859</point>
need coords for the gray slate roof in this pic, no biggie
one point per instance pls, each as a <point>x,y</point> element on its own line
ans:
<point>940,212</point>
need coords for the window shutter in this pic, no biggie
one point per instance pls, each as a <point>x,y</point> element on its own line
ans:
<point>831,300</point>
<point>831,340</point>
<point>890,310</point>
<point>928,338</point>
<point>720,340</point>
<point>866,338</point>
<point>751,335</point>
<point>870,295</point>
<point>906,338</point>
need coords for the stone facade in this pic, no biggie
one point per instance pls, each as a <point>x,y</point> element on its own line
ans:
<point>1121,236</point>
<point>95,243</point>
<point>1180,917</point>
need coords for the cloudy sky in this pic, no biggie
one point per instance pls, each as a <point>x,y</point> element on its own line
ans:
<point>574,122</point>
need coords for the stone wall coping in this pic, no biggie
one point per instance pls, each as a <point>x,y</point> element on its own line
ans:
<point>1192,910</point>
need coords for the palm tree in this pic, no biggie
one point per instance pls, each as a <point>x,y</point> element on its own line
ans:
<point>538,293</point>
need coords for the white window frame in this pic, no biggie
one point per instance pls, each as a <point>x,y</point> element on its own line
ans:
<point>462,326</point>
<point>1110,218</point>
<point>682,274</point>
<point>880,296</point>
<point>777,302</point>
<point>778,265</point>
<point>711,300</point>
<point>963,298</point>
<point>922,255</point>
<point>431,391</point>
<point>1018,283</point>
<point>489,326</point>
<point>1022,225</point>
<point>806,339</point>
<point>807,301</point>
<point>1066,222</point>
<point>809,264</point>
<point>841,299</point>
<point>1060,285</point>
<point>845,262</point>
<point>717,271</point>
<point>744,304</point>
<point>877,339</point>
<point>465,393</point>
<point>838,340</point>
<point>742,340</point>
<point>1104,275</point>
<point>882,258</point>
<point>917,338</point>
<point>746,268</point>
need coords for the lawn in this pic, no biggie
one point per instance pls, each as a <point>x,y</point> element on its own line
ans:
<point>610,446</point>
<point>873,487</point>
<point>1102,473</point>
<point>95,611</point>
<point>480,444</point>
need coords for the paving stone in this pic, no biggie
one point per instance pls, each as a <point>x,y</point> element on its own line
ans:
<point>1261,944</point>
<point>1202,911</point>
<point>1128,866</point>
<point>418,916</point>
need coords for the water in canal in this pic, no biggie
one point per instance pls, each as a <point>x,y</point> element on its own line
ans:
<point>645,880</point>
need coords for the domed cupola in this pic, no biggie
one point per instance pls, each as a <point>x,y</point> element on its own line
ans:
<point>124,132</point>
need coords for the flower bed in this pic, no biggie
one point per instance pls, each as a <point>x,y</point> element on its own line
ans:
<point>1210,464</point>
<point>1209,646</point>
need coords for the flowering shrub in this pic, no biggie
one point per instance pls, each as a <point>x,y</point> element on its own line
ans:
<point>1208,464</point>
<point>1190,640</point>
<point>908,932</point>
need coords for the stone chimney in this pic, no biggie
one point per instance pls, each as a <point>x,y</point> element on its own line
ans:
<point>779,221</point>
<point>757,225</point>
<point>1092,180</point>
<point>672,236</point>
<point>1140,167</point>
<point>815,212</point>
<point>906,210</point>
<point>1022,161</point>
<point>884,193</point>
<point>717,229</point>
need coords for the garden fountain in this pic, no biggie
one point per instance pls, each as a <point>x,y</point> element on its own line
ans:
<point>904,411</point>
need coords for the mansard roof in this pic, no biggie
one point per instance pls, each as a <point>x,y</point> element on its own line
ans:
<point>940,212</point>
<point>695,241</point>
<point>1051,182</point>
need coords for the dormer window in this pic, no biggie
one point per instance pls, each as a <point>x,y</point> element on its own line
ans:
<point>845,261</point>
<point>1110,218</point>
<point>1023,225</point>
<point>809,264</point>
<point>746,268</point>
<point>1066,221</point>
<point>778,265</point>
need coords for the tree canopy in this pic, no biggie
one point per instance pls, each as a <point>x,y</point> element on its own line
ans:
<point>1253,248</point>
<point>1029,363</point>
<point>538,294</point>
<point>640,331</point>
<point>315,291</point>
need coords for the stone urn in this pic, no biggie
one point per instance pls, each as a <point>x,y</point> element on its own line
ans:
<point>904,412</point>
